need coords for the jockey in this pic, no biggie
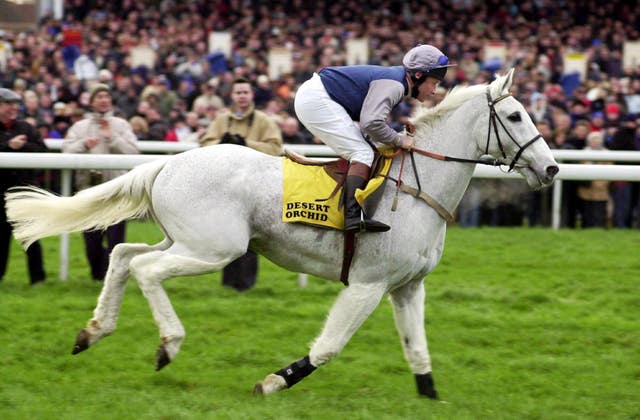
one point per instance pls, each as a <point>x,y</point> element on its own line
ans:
<point>335,98</point>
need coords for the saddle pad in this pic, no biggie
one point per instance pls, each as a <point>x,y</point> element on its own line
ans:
<point>306,191</point>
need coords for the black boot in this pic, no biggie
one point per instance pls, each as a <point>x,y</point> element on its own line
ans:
<point>354,218</point>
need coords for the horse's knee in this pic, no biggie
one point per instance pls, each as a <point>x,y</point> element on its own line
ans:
<point>173,341</point>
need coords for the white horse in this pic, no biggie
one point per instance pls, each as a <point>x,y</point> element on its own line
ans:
<point>214,203</point>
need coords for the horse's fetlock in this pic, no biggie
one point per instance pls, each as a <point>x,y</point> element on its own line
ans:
<point>272,383</point>
<point>322,359</point>
<point>94,331</point>
<point>419,360</point>
<point>171,344</point>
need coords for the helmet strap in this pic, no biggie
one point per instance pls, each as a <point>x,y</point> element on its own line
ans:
<point>416,84</point>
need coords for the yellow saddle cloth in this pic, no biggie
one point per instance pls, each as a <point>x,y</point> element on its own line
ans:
<point>307,195</point>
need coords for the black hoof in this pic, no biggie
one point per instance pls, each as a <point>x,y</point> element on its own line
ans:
<point>426,387</point>
<point>82,342</point>
<point>258,390</point>
<point>162,358</point>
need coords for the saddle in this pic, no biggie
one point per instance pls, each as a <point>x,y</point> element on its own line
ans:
<point>312,194</point>
<point>312,185</point>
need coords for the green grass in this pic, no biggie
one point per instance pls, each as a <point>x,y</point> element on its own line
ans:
<point>522,323</point>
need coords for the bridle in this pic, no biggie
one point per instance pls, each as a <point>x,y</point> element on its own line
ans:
<point>494,120</point>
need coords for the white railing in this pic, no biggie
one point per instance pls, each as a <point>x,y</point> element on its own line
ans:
<point>320,150</point>
<point>68,162</point>
<point>144,146</point>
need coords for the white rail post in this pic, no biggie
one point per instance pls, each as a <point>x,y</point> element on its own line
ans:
<point>302,279</point>
<point>556,204</point>
<point>65,189</point>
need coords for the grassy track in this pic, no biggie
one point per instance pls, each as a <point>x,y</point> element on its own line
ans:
<point>522,324</point>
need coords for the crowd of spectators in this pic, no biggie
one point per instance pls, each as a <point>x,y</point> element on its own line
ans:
<point>54,65</point>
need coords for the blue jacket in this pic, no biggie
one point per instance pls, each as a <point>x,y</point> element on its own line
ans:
<point>368,94</point>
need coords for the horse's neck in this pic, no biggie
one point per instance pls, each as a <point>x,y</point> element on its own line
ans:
<point>445,181</point>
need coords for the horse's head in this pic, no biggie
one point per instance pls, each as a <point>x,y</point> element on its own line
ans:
<point>512,136</point>
<point>499,126</point>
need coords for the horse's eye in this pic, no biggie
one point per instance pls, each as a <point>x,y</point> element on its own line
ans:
<point>515,117</point>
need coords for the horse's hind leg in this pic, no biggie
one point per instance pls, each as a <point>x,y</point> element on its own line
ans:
<point>151,270</point>
<point>106,313</point>
<point>353,306</point>
<point>408,309</point>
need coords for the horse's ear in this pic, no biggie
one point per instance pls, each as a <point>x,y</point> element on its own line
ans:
<point>508,80</point>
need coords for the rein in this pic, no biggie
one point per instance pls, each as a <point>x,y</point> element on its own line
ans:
<point>494,120</point>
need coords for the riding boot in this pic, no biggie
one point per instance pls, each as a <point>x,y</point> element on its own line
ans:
<point>355,220</point>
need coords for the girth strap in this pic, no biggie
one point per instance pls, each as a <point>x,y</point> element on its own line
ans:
<point>444,213</point>
<point>347,256</point>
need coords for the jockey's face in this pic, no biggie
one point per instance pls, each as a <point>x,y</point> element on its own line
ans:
<point>242,95</point>
<point>427,88</point>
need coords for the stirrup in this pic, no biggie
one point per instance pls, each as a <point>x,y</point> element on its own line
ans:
<point>366,225</point>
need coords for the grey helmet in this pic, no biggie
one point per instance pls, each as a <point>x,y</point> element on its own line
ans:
<point>428,60</point>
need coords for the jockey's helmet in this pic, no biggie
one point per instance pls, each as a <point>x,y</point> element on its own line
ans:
<point>428,60</point>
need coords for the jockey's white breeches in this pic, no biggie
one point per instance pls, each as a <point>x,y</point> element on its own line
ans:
<point>329,121</point>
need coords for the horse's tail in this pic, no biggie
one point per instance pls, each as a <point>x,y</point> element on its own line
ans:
<point>36,213</point>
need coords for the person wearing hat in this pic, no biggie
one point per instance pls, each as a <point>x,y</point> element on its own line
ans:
<point>17,136</point>
<point>208,98</point>
<point>335,98</point>
<point>594,195</point>
<point>100,133</point>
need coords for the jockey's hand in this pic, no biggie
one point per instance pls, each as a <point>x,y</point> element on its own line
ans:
<point>410,128</point>
<point>406,142</point>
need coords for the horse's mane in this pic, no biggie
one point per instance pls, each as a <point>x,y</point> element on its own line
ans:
<point>454,98</point>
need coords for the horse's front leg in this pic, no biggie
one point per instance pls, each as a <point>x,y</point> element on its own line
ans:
<point>408,309</point>
<point>353,306</point>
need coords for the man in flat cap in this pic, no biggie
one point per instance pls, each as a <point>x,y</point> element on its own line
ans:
<point>17,136</point>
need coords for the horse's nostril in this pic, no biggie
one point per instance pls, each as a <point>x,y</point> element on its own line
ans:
<point>552,170</point>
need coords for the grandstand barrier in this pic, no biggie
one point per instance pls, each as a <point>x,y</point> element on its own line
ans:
<point>67,162</point>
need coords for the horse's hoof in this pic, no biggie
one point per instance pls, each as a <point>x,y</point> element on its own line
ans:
<point>432,395</point>
<point>162,358</point>
<point>426,387</point>
<point>272,383</point>
<point>258,389</point>
<point>82,342</point>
